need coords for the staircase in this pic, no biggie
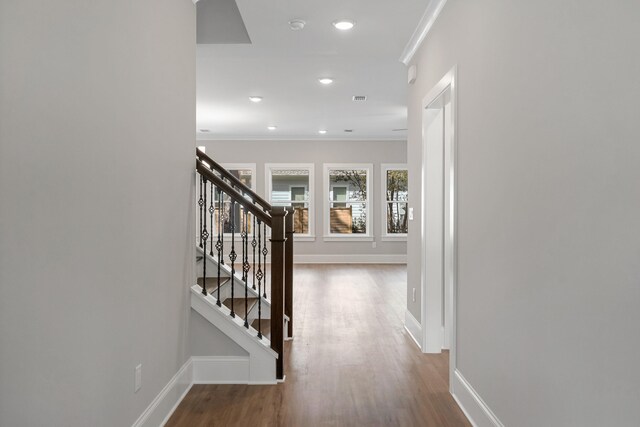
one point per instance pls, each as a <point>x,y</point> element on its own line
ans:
<point>244,261</point>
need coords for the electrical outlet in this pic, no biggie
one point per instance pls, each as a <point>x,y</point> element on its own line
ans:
<point>138,380</point>
<point>373,244</point>
<point>413,297</point>
<point>410,214</point>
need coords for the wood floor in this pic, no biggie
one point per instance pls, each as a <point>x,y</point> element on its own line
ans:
<point>351,362</point>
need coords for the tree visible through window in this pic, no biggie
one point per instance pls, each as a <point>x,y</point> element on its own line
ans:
<point>397,200</point>
<point>348,201</point>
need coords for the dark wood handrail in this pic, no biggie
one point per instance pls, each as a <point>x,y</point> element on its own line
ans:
<point>232,192</point>
<point>235,181</point>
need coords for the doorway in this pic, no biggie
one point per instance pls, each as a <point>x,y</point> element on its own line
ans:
<point>439,218</point>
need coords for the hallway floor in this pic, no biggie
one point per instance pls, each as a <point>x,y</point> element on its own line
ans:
<point>351,362</point>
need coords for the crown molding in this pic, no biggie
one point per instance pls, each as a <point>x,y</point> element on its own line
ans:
<point>423,28</point>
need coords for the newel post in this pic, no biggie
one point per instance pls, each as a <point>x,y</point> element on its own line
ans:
<point>288,269</point>
<point>277,286</point>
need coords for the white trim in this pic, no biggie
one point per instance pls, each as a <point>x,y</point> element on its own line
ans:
<point>424,26</point>
<point>208,137</point>
<point>351,259</point>
<point>221,369</point>
<point>475,409</point>
<point>413,327</point>
<point>268,167</point>
<point>161,408</point>
<point>196,370</point>
<point>328,236</point>
<point>431,321</point>
<point>384,168</point>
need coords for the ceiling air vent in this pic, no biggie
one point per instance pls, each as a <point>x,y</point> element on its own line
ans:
<point>359,98</point>
<point>348,130</point>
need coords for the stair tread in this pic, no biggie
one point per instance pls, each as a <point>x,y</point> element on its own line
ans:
<point>212,283</point>
<point>239,305</point>
<point>265,325</point>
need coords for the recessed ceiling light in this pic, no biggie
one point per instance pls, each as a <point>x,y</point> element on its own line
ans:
<point>344,24</point>
<point>297,24</point>
<point>322,131</point>
<point>255,99</point>
<point>359,98</point>
<point>205,130</point>
<point>326,80</point>
<point>348,130</point>
<point>272,127</point>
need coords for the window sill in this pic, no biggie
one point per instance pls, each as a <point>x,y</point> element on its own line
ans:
<point>392,238</point>
<point>347,238</point>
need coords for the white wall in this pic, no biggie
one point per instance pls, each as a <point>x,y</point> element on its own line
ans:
<point>97,115</point>
<point>549,201</point>
<point>320,152</point>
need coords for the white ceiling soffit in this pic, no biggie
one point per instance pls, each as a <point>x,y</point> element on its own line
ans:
<point>427,21</point>
<point>220,22</point>
<point>283,67</point>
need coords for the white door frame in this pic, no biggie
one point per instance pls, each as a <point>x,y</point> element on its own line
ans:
<point>433,246</point>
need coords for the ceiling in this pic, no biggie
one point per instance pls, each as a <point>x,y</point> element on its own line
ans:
<point>283,67</point>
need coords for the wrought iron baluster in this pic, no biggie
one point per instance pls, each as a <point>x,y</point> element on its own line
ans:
<point>259,276</point>
<point>211,210</point>
<point>204,238</point>
<point>265,251</point>
<point>219,242</point>
<point>201,204</point>
<point>223,217</point>
<point>253,245</point>
<point>245,265</point>
<point>232,254</point>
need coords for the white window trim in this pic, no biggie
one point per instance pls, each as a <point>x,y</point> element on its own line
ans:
<point>268,167</point>
<point>386,237</point>
<point>334,237</point>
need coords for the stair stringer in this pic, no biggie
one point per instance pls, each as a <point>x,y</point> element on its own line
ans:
<point>262,359</point>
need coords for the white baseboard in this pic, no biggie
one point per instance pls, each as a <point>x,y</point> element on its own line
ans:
<point>161,408</point>
<point>196,370</point>
<point>476,410</point>
<point>413,327</point>
<point>350,259</point>
<point>221,370</point>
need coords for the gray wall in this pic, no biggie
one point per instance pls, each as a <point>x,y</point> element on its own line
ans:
<point>207,340</point>
<point>97,110</point>
<point>549,201</point>
<point>319,152</point>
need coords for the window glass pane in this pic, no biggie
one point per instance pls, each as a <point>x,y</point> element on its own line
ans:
<point>397,218</point>
<point>397,185</point>
<point>290,187</point>
<point>348,218</point>
<point>354,180</point>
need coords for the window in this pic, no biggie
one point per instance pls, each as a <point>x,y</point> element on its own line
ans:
<point>292,185</point>
<point>395,198</point>
<point>245,172</point>
<point>347,198</point>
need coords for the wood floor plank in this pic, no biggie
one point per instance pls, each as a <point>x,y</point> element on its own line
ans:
<point>351,362</point>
